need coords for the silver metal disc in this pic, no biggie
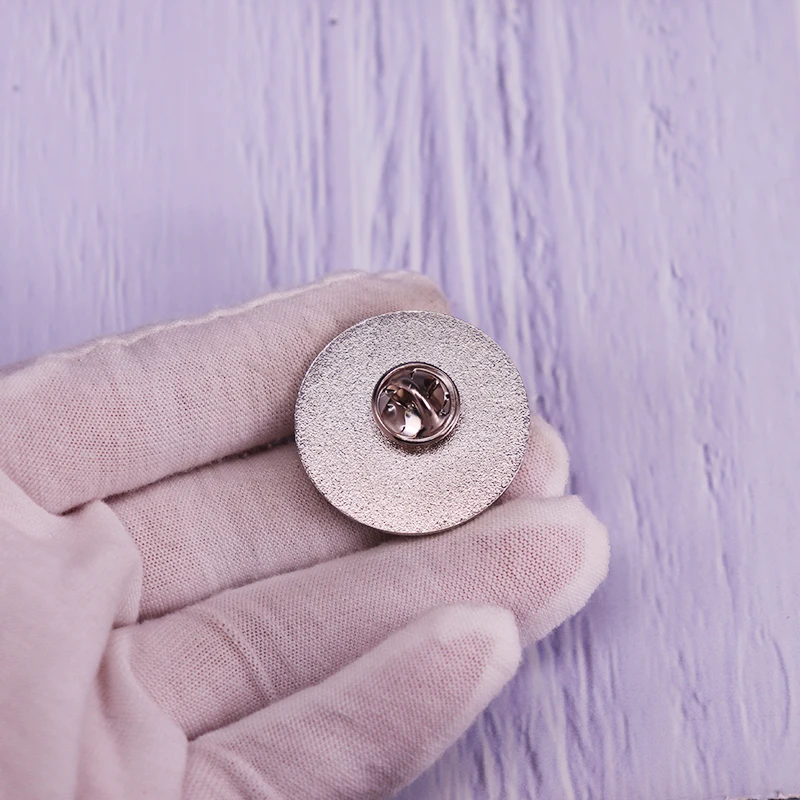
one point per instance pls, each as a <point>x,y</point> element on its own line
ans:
<point>411,488</point>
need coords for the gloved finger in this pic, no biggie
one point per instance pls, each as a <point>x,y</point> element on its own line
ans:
<point>370,729</point>
<point>126,411</point>
<point>236,521</point>
<point>545,468</point>
<point>217,661</point>
<point>232,523</point>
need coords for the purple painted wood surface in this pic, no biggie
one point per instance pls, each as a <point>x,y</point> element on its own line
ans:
<point>611,189</point>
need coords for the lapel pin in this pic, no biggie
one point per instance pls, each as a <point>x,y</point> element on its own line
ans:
<point>412,422</point>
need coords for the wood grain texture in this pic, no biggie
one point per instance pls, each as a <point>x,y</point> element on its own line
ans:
<point>610,189</point>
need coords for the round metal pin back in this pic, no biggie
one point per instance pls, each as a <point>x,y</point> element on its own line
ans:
<point>412,422</point>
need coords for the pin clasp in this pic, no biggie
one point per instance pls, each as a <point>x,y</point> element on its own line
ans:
<point>416,403</point>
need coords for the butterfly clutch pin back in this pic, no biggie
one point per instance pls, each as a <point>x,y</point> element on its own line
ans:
<point>412,422</point>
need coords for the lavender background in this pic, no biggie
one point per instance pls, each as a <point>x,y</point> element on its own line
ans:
<point>610,189</point>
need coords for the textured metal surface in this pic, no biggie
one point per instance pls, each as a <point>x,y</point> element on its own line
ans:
<point>408,489</point>
<point>611,190</point>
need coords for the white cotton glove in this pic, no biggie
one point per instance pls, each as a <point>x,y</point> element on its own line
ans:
<point>184,616</point>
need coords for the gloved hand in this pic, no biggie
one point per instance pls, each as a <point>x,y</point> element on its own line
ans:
<point>181,613</point>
